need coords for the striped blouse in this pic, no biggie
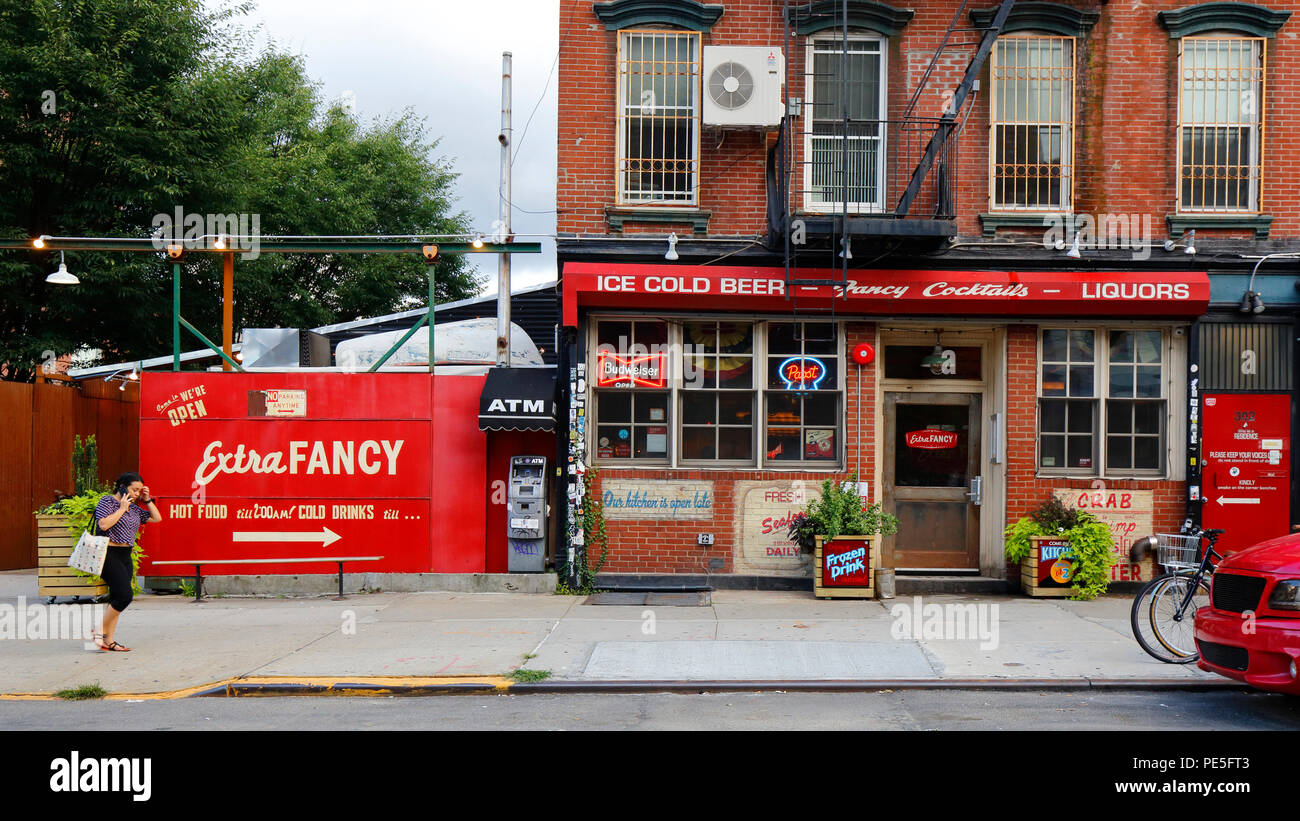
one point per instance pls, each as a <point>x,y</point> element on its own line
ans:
<point>132,520</point>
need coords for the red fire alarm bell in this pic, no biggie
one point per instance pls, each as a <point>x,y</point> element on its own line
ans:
<point>863,354</point>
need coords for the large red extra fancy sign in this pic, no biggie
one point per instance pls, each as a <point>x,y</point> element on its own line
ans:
<point>932,439</point>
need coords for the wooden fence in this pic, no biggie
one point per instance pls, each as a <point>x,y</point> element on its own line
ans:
<point>37,425</point>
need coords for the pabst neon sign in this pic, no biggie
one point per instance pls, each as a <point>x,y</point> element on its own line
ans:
<point>646,371</point>
<point>802,373</point>
<point>931,439</point>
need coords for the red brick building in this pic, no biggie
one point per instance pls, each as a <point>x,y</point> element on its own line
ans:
<point>998,200</point>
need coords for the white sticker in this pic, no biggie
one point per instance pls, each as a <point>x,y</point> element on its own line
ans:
<point>1270,444</point>
<point>1274,457</point>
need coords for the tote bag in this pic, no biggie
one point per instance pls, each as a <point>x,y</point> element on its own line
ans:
<point>88,556</point>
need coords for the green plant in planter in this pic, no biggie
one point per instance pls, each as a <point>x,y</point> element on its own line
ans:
<point>839,512</point>
<point>1091,545</point>
<point>80,509</point>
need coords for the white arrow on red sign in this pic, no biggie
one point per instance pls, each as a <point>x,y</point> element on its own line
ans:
<point>325,536</point>
<point>1224,500</point>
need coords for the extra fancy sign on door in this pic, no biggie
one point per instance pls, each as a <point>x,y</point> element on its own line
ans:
<point>931,439</point>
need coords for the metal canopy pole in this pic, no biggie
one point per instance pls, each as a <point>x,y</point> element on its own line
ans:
<point>503,194</point>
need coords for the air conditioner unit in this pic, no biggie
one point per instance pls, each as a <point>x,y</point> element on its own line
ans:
<point>742,86</point>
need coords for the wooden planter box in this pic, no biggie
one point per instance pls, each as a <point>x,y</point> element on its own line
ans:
<point>1037,575</point>
<point>54,545</point>
<point>858,581</point>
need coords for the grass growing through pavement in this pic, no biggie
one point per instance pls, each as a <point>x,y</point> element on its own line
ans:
<point>523,676</point>
<point>82,693</point>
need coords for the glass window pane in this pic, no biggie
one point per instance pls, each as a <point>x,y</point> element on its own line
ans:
<point>1053,416</point>
<point>701,336</point>
<point>1079,417</point>
<point>614,442</point>
<point>1146,453</point>
<point>651,407</point>
<point>1081,380</point>
<point>782,410</point>
<point>736,372</point>
<point>1148,346</point>
<point>781,338</point>
<point>735,409</point>
<point>1078,451</point>
<point>820,409</point>
<point>1054,346</point>
<point>735,337</point>
<point>819,338</point>
<point>650,441</point>
<point>783,444</point>
<point>698,408</point>
<point>1053,380</point>
<point>699,372</point>
<point>649,334</point>
<point>735,443</point>
<point>1121,380</point>
<point>697,443</point>
<point>1148,380</point>
<point>1119,453</point>
<point>1052,452</point>
<point>1148,417</point>
<point>1119,417</point>
<point>1081,346</point>
<point>1121,346</point>
<point>614,407</point>
<point>615,336</point>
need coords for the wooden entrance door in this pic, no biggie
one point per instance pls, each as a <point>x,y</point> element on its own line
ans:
<point>932,478</point>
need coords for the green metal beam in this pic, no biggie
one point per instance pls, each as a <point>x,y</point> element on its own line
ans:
<point>274,246</point>
<point>399,343</point>
<point>205,341</point>
<point>176,316</point>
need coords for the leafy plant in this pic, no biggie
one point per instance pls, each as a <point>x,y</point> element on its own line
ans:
<point>79,510</point>
<point>839,512</point>
<point>593,529</point>
<point>189,589</point>
<point>524,676</point>
<point>85,464</point>
<point>1091,545</point>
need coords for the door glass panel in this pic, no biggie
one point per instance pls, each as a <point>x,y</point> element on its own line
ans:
<point>932,443</point>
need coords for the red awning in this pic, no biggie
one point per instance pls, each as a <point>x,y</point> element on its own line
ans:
<point>885,292</point>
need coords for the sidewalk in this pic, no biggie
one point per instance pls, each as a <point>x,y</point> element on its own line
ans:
<point>750,636</point>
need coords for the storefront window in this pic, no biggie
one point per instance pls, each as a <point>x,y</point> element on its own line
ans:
<point>1078,378</point>
<point>717,391</point>
<point>802,403</point>
<point>690,392</point>
<point>631,377</point>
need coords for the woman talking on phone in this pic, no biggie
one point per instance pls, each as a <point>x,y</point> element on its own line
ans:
<point>119,516</point>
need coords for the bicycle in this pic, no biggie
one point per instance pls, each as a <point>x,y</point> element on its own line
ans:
<point>1167,605</point>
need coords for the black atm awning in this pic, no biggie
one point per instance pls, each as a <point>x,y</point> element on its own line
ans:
<point>518,399</point>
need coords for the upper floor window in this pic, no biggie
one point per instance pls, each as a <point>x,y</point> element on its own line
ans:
<point>1032,124</point>
<point>1219,123</point>
<point>844,146</point>
<point>658,117</point>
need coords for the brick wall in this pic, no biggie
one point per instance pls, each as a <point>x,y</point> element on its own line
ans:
<point>1125,113</point>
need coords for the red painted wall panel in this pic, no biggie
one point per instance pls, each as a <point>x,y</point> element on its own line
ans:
<point>363,469</point>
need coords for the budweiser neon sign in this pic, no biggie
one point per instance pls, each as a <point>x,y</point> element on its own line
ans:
<point>802,373</point>
<point>932,439</point>
<point>645,371</point>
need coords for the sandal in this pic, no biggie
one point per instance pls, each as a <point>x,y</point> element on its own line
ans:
<point>112,645</point>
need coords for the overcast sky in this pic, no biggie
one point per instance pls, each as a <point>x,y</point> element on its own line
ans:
<point>443,60</point>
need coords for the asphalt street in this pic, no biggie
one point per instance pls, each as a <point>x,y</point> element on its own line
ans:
<point>886,710</point>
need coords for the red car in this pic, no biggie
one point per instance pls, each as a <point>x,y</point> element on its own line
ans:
<point>1251,630</point>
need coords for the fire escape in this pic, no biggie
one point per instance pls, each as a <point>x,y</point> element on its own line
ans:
<point>858,174</point>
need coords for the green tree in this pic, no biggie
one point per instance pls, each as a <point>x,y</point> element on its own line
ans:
<point>114,111</point>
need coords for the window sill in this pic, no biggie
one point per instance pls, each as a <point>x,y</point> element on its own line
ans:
<point>1021,220</point>
<point>1106,477</point>
<point>696,218</point>
<point>1180,224</point>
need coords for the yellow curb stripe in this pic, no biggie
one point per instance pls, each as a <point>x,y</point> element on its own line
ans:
<point>499,683</point>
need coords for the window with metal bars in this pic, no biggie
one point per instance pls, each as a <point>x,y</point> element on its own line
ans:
<point>844,162</point>
<point>1220,104</point>
<point>1032,121</point>
<point>658,117</point>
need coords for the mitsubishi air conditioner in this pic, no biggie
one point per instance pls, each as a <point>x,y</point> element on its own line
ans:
<point>742,86</point>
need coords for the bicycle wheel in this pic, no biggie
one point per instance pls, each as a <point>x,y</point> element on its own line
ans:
<point>1155,627</point>
<point>1177,633</point>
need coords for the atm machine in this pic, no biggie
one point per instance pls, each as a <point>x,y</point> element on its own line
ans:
<point>526,518</point>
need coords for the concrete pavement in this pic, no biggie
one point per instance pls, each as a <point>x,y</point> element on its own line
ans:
<point>475,639</point>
